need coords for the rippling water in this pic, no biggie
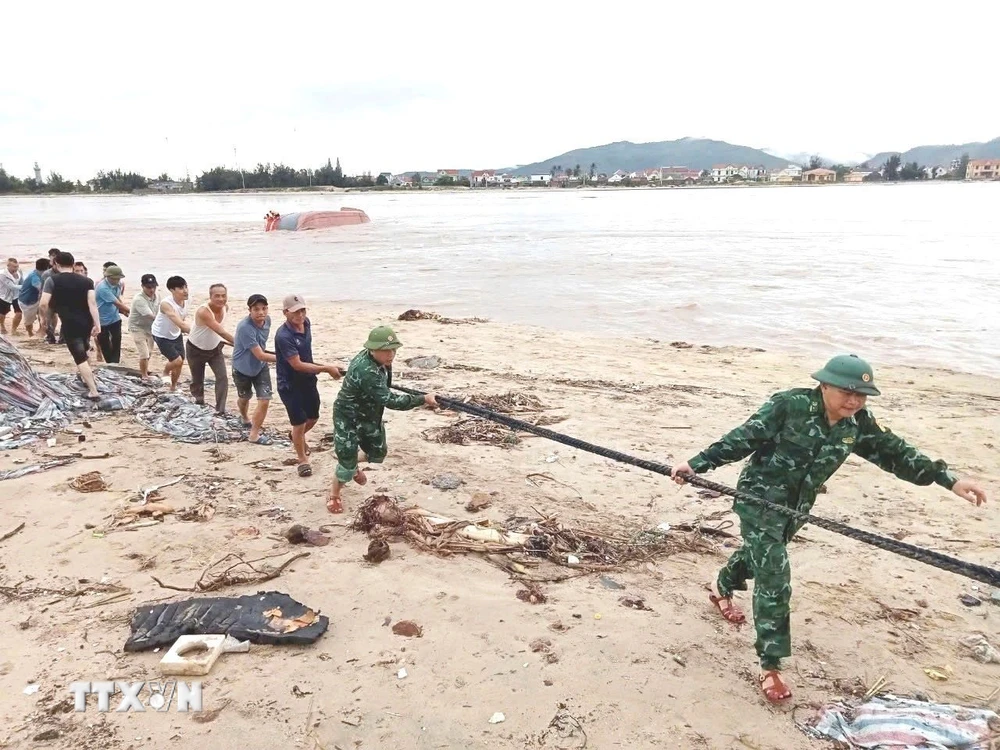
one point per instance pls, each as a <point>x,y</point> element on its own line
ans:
<point>898,273</point>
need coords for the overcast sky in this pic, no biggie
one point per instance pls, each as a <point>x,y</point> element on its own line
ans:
<point>426,85</point>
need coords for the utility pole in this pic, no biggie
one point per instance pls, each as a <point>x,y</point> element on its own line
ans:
<point>242,176</point>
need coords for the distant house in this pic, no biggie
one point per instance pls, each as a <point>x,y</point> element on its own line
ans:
<point>935,173</point>
<point>678,174</point>
<point>856,176</point>
<point>453,173</point>
<point>617,177</point>
<point>540,179</point>
<point>722,172</point>
<point>791,173</point>
<point>482,177</point>
<point>169,186</point>
<point>819,175</point>
<point>387,175</point>
<point>754,174</point>
<point>983,169</point>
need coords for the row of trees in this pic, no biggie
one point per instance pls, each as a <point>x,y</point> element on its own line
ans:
<point>576,171</point>
<point>894,170</point>
<point>219,178</point>
<point>282,176</point>
<point>115,181</point>
<point>55,184</point>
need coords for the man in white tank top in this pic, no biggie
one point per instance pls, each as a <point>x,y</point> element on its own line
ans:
<point>204,347</point>
<point>168,327</point>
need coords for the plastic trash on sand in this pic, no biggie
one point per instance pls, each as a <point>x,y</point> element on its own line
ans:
<point>890,723</point>
<point>268,617</point>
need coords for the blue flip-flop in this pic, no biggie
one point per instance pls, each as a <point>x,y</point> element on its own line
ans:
<point>261,440</point>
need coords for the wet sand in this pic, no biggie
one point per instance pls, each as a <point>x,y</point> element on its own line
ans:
<point>677,676</point>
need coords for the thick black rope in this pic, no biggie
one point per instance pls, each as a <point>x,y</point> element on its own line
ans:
<point>976,572</point>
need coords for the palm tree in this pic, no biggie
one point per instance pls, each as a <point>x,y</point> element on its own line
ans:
<point>576,171</point>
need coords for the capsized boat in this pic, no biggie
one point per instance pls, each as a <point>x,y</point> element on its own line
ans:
<point>303,220</point>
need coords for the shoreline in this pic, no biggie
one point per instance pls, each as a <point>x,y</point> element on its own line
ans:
<point>459,189</point>
<point>629,676</point>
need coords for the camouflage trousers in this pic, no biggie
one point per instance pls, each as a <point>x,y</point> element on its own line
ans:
<point>764,558</point>
<point>348,436</point>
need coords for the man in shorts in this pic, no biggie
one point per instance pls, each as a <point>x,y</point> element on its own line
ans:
<point>250,370</point>
<point>51,319</point>
<point>168,327</point>
<point>11,279</point>
<point>72,297</point>
<point>30,296</point>
<point>296,371</point>
<point>142,313</point>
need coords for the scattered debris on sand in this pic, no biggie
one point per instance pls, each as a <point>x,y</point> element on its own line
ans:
<point>473,430</point>
<point>524,546</point>
<point>421,315</point>
<point>92,481</point>
<point>233,570</point>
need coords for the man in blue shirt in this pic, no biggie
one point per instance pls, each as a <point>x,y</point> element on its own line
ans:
<point>250,370</point>
<point>296,371</point>
<point>110,307</point>
<point>30,296</point>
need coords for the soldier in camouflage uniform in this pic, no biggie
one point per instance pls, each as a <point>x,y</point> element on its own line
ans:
<point>796,441</point>
<point>357,412</point>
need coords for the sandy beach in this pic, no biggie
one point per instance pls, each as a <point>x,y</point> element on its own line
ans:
<point>674,677</point>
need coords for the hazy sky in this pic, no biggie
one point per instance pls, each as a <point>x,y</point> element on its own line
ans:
<point>426,85</point>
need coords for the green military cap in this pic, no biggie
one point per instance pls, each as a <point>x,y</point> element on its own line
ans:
<point>850,372</point>
<point>113,272</point>
<point>381,338</point>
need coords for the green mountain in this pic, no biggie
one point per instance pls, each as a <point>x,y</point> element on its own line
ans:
<point>933,156</point>
<point>695,153</point>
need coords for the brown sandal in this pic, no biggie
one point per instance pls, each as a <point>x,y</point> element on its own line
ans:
<point>360,478</point>
<point>335,505</point>
<point>778,690</point>
<point>730,612</point>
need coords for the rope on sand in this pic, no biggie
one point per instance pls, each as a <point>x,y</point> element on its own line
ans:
<point>939,560</point>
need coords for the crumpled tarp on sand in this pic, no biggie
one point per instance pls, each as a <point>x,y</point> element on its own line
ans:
<point>35,406</point>
<point>247,618</point>
<point>890,723</point>
<point>173,414</point>
<point>32,406</point>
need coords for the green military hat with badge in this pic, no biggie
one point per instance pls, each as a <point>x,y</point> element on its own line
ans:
<point>382,338</point>
<point>849,372</point>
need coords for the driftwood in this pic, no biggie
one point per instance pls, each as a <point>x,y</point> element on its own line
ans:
<point>18,592</point>
<point>12,532</point>
<point>212,579</point>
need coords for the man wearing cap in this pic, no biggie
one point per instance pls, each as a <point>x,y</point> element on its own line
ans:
<point>11,280</point>
<point>144,307</point>
<point>357,412</point>
<point>796,441</point>
<point>296,373</point>
<point>250,370</point>
<point>109,306</point>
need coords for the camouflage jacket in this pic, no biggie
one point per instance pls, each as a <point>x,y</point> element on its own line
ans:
<point>793,450</point>
<point>365,392</point>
